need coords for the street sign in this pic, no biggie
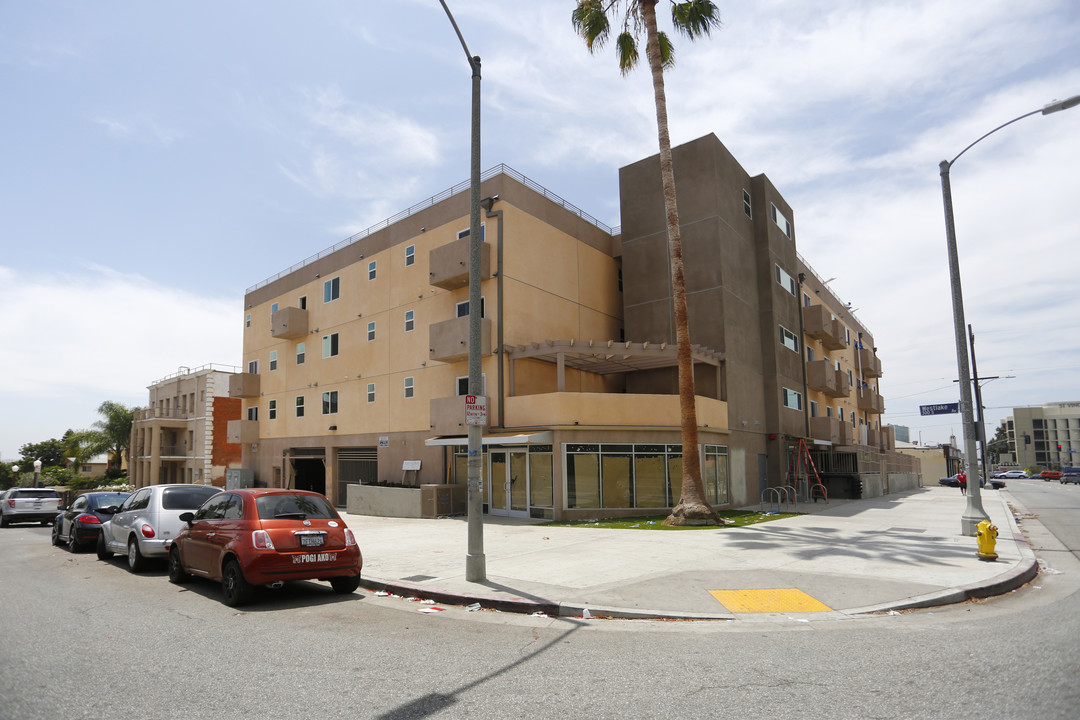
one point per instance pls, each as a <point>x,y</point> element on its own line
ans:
<point>475,410</point>
<point>940,409</point>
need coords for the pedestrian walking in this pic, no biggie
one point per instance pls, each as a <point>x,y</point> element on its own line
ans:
<point>961,477</point>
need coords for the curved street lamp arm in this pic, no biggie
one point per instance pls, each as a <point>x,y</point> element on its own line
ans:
<point>1053,107</point>
<point>474,62</point>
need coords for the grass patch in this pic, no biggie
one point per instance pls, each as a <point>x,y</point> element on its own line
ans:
<point>737,518</point>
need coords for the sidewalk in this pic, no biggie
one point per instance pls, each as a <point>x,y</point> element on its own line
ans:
<point>845,558</point>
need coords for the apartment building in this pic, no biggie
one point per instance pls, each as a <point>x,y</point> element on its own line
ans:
<point>181,436</point>
<point>1044,437</point>
<point>356,358</point>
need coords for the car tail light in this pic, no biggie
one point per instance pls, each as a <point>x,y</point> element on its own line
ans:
<point>147,531</point>
<point>350,539</point>
<point>89,520</point>
<point>261,539</point>
<point>11,503</point>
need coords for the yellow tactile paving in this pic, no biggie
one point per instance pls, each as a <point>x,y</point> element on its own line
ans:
<point>768,600</point>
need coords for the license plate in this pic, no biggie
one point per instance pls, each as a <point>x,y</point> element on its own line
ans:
<point>312,540</point>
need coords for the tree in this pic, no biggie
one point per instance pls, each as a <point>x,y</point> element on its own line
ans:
<point>999,445</point>
<point>49,452</point>
<point>693,18</point>
<point>113,431</point>
<point>79,447</point>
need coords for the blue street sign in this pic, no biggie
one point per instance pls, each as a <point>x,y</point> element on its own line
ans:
<point>940,409</point>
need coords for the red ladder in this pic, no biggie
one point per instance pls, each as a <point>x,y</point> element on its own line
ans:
<point>801,465</point>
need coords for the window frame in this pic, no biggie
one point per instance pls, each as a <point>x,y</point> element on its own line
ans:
<point>370,331</point>
<point>299,406</point>
<point>787,393</point>
<point>301,353</point>
<point>410,387</point>
<point>410,255</point>
<point>786,336</point>
<point>372,269</point>
<point>331,346</point>
<point>331,289</point>
<point>330,402</point>
<point>410,320</point>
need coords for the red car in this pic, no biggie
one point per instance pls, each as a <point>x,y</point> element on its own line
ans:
<point>251,537</point>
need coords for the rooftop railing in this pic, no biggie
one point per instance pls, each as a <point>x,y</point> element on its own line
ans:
<point>437,198</point>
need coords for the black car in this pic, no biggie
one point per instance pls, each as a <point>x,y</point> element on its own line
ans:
<point>80,524</point>
<point>951,481</point>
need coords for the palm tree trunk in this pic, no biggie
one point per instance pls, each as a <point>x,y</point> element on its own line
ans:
<point>692,507</point>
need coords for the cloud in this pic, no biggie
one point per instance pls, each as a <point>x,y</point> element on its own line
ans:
<point>144,129</point>
<point>106,332</point>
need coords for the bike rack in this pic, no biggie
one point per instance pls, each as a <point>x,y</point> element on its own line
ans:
<point>783,497</point>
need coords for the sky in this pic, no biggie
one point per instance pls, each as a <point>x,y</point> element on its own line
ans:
<point>157,159</point>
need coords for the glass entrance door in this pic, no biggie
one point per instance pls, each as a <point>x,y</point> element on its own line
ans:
<point>508,491</point>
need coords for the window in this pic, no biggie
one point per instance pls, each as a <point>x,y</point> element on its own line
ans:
<point>301,302</point>
<point>253,367</point>
<point>273,308</point>
<point>781,221</point>
<point>371,392</point>
<point>253,412</point>
<point>788,339</point>
<point>247,320</point>
<point>786,281</point>
<point>840,410</point>
<point>792,399</point>
<point>371,331</point>
<point>410,255</point>
<point>463,384</point>
<point>805,300</point>
<point>409,388</point>
<point>331,290</point>
<point>850,378</point>
<point>330,345</point>
<point>847,335</point>
<point>271,411</point>
<point>329,402</point>
<point>371,270</point>
<point>273,360</point>
<point>300,353</point>
<point>465,233</point>
<point>299,406</point>
<point>809,354</point>
<point>463,308</point>
<point>746,204</point>
<point>410,320</point>
<point>813,408</point>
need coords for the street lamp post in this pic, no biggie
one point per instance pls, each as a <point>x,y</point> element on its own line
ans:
<point>973,512</point>
<point>15,475</point>
<point>37,473</point>
<point>475,562</point>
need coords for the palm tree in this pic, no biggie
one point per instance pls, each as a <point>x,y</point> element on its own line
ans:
<point>693,18</point>
<point>113,431</point>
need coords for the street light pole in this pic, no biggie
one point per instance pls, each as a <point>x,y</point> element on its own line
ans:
<point>973,512</point>
<point>475,562</point>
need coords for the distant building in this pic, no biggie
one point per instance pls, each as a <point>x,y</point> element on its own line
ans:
<point>902,433</point>
<point>936,461</point>
<point>357,363</point>
<point>1046,437</point>
<point>182,435</point>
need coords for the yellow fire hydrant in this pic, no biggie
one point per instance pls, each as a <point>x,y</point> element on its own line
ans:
<point>986,535</point>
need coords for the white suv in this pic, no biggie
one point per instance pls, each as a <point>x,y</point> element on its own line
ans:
<point>149,519</point>
<point>29,505</point>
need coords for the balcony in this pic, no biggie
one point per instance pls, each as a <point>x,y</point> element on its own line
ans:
<point>870,363</point>
<point>826,428</point>
<point>843,385</point>
<point>244,385</point>
<point>821,376</point>
<point>289,323</point>
<point>819,324</point>
<point>242,431</point>
<point>448,416</point>
<point>871,401</point>
<point>607,409</point>
<point>449,264</point>
<point>449,339</point>
<point>847,434</point>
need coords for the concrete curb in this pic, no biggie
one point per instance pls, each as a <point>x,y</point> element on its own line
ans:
<point>515,605</point>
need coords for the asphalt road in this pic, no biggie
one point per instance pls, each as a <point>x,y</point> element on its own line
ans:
<point>80,638</point>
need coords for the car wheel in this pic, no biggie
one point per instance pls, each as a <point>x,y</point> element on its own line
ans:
<point>56,533</point>
<point>176,569</point>
<point>136,562</point>
<point>73,540</point>
<point>345,585</point>
<point>103,552</point>
<point>234,587</point>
